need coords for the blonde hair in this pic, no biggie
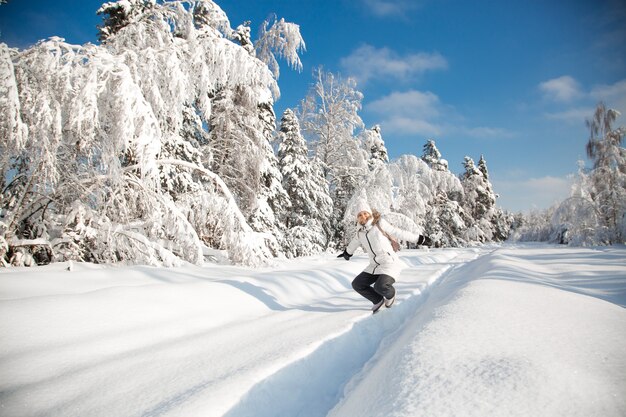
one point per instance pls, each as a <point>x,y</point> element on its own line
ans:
<point>376,216</point>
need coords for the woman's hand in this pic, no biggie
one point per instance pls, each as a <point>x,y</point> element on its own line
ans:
<point>345,255</point>
<point>424,241</point>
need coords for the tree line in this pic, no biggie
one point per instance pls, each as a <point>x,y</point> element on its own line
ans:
<point>595,211</point>
<point>160,145</point>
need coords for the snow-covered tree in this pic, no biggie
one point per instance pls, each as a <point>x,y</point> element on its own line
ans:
<point>432,157</point>
<point>243,36</point>
<point>479,198</point>
<point>119,155</point>
<point>609,172</point>
<point>280,38</point>
<point>13,131</point>
<point>90,142</point>
<point>416,185</point>
<point>535,226</point>
<point>377,186</point>
<point>330,119</point>
<point>308,220</point>
<point>272,201</point>
<point>411,187</point>
<point>235,142</point>
<point>374,143</point>
<point>486,222</point>
<point>119,14</point>
<point>482,167</point>
<point>242,155</point>
<point>594,212</point>
<point>242,126</point>
<point>170,41</point>
<point>445,223</point>
<point>576,220</point>
<point>502,222</point>
<point>238,110</point>
<point>209,17</point>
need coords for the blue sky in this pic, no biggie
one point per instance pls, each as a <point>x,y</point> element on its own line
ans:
<point>511,80</point>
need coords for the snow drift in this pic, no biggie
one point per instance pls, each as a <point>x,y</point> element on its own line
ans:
<point>515,331</point>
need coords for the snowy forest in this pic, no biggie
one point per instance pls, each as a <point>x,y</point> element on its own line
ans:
<point>595,212</point>
<point>160,146</point>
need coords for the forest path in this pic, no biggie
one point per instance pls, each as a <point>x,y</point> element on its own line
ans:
<point>312,385</point>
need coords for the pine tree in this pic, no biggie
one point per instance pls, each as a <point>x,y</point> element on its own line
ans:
<point>501,220</point>
<point>308,221</point>
<point>479,201</point>
<point>243,36</point>
<point>482,167</point>
<point>272,201</point>
<point>445,223</point>
<point>432,157</point>
<point>119,14</point>
<point>373,141</point>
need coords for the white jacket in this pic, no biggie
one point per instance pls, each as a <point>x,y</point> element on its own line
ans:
<point>383,260</point>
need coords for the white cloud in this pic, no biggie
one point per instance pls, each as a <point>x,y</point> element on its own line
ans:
<point>409,113</point>
<point>577,115</point>
<point>563,89</point>
<point>533,193</point>
<point>411,126</point>
<point>482,132</point>
<point>613,95</point>
<point>605,92</point>
<point>422,113</point>
<point>384,8</point>
<point>367,63</point>
<point>412,102</point>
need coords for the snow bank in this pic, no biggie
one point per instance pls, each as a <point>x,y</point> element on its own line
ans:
<point>501,345</point>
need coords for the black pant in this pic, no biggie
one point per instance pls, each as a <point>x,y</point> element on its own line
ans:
<point>383,286</point>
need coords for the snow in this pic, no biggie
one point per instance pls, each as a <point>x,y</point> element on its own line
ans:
<point>507,330</point>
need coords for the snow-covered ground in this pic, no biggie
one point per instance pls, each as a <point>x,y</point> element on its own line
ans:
<point>530,330</point>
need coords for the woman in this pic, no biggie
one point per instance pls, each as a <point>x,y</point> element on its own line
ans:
<point>384,267</point>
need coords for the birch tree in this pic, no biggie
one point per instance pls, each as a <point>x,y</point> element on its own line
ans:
<point>330,119</point>
<point>609,172</point>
